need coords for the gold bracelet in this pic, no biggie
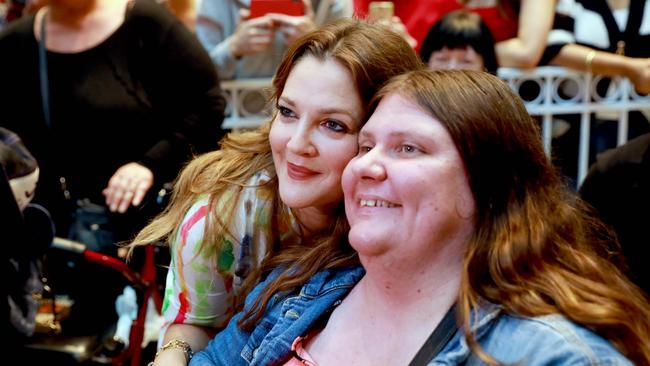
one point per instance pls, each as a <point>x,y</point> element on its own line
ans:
<point>589,59</point>
<point>177,343</point>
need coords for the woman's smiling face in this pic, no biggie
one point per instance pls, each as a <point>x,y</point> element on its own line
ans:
<point>314,134</point>
<point>407,189</point>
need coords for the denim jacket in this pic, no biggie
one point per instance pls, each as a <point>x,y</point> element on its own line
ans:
<point>545,340</point>
<point>287,316</point>
<point>519,340</point>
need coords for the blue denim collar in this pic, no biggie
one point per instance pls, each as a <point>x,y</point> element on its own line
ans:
<point>482,319</point>
<point>324,281</point>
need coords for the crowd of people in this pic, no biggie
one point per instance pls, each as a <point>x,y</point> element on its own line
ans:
<point>373,207</point>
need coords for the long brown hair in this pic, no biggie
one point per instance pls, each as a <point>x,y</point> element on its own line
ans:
<point>372,54</point>
<point>536,250</point>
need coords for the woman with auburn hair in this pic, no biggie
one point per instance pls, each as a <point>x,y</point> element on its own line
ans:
<point>463,227</point>
<point>273,194</point>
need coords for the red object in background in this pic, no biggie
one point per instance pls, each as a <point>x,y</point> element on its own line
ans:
<point>289,7</point>
<point>420,15</point>
<point>14,11</point>
<point>143,281</point>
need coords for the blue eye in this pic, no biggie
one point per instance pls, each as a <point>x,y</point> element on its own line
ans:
<point>409,149</point>
<point>335,125</point>
<point>286,112</point>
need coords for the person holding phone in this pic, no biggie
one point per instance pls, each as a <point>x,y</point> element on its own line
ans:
<point>242,46</point>
<point>383,12</point>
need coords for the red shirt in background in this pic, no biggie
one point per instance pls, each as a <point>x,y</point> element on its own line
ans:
<point>419,16</point>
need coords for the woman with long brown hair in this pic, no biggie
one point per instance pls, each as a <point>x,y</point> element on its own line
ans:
<point>462,226</point>
<point>273,193</point>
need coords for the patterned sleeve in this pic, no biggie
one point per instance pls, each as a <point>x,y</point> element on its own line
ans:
<point>194,291</point>
<point>200,286</point>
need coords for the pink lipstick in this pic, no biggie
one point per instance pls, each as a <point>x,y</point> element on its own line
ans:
<point>297,172</point>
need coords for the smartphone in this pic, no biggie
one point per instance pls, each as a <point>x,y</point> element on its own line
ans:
<point>380,10</point>
<point>290,7</point>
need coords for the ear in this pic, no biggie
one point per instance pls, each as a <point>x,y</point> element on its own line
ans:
<point>465,203</point>
<point>465,207</point>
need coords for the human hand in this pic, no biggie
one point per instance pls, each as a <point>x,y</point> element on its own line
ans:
<point>127,187</point>
<point>294,27</point>
<point>639,74</point>
<point>251,36</point>
<point>396,25</point>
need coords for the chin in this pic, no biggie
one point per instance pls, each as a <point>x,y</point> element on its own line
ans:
<point>367,241</point>
<point>294,199</point>
<point>290,202</point>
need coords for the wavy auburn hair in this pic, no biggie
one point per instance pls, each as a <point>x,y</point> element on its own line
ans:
<point>536,249</point>
<point>372,54</point>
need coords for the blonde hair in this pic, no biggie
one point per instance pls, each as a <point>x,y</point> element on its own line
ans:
<point>536,250</point>
<point>355,45</point>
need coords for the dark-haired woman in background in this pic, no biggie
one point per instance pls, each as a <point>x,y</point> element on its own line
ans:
<point>460,40</point>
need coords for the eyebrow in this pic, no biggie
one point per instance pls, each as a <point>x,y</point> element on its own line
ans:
<point>391,134</point>
<point>320,110</point>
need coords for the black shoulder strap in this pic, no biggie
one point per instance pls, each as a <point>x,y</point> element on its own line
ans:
<point>438,339</point>
<point>42,66</point>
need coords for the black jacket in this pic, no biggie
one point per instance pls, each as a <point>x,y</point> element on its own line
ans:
<point>618,186</point>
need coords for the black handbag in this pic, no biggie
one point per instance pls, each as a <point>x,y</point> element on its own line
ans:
<point>91,225</point>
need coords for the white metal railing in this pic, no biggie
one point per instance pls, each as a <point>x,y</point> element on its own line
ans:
<point>550,100</point>
<point>545,97</point>
<point>237,114</point>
